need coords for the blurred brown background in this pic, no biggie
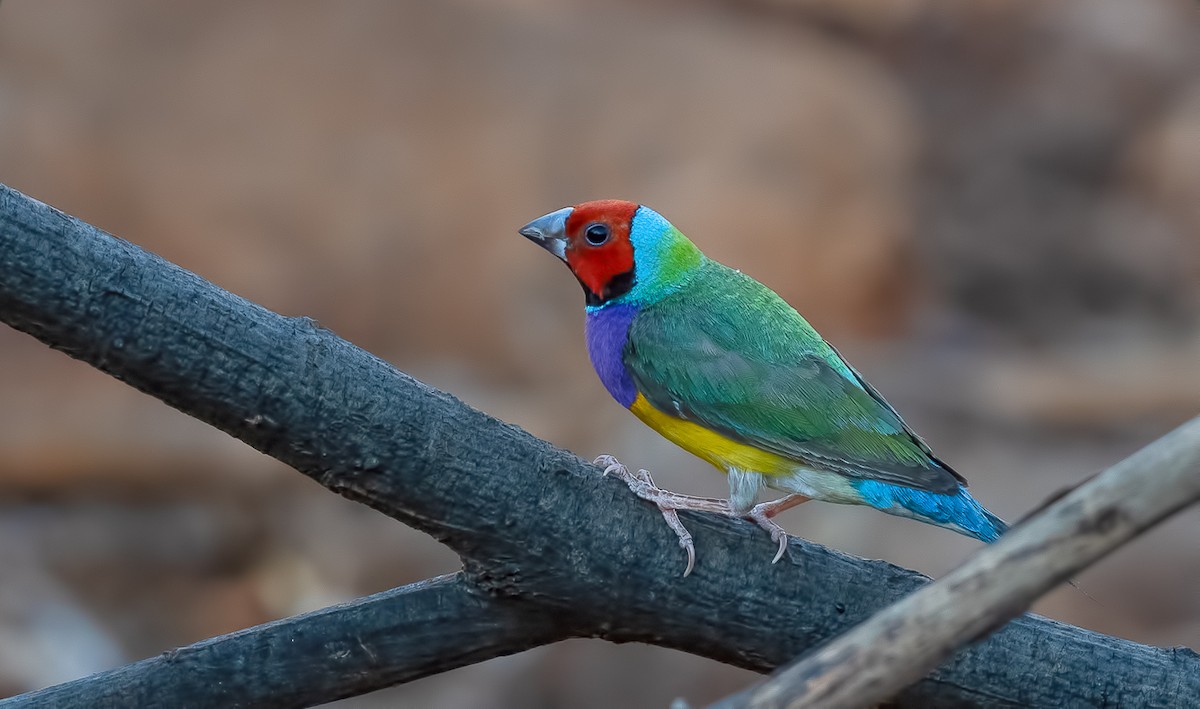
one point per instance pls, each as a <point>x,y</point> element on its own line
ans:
<point>992,207</point>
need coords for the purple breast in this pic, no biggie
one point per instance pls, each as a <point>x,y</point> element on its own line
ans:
<point>607,330</point>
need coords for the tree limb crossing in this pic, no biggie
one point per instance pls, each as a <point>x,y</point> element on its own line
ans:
<point>550,548</point>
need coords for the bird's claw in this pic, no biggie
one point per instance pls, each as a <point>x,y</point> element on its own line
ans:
<point>783,542</point>
<point>613,466</point>
<point>685,537</point>
<point>643,486</point>
<point>761,516</point>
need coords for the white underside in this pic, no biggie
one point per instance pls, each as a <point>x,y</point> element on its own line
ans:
<point>815,484</point>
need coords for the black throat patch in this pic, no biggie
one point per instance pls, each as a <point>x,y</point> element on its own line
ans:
<point>616,287</point>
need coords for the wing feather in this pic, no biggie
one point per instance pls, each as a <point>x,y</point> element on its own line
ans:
<point>729,354</point>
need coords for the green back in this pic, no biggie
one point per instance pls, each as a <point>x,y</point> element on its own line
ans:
<point>728,353</point>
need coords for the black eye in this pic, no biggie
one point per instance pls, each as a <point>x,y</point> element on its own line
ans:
<point>596,233</point>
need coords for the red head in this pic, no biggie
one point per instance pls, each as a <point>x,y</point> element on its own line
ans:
<point>593,239</point>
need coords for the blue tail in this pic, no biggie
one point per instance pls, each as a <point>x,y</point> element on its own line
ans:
<point>960,512</point>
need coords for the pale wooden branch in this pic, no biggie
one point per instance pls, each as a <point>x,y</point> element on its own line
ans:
<point>907,640</point>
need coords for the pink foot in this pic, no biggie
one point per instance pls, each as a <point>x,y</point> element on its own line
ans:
<point>762,513</point>
<point>667,502</point>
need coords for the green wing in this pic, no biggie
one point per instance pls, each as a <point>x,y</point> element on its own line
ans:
<point>729,354</point>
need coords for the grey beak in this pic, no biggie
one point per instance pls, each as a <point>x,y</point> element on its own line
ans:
<point>550,232</point>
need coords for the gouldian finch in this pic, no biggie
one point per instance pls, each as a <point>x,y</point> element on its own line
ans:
<point>719,364</point>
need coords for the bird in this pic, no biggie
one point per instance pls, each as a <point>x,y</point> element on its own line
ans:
<point>726,369</point>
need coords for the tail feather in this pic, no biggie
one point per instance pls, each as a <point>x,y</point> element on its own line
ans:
<point>960,512</point>
<point>995,525</point>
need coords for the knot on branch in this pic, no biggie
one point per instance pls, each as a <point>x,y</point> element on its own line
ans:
<point>498,579</point>
<point>1103,521</point>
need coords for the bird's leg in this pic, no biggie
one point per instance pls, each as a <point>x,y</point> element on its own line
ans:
<point>667,502</point>
<point>762,514</point>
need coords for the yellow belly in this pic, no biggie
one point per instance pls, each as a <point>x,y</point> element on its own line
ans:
<point>721,451</point>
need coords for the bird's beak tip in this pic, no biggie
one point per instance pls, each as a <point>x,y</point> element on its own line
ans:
<point>549,231</point>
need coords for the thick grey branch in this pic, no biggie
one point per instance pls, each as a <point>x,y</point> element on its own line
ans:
<point>349,649</point>
<point>534,525</point>
<point>902,643</point>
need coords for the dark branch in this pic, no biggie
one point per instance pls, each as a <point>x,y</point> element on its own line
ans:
<point>380,640</point>
<point>533,524</point>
